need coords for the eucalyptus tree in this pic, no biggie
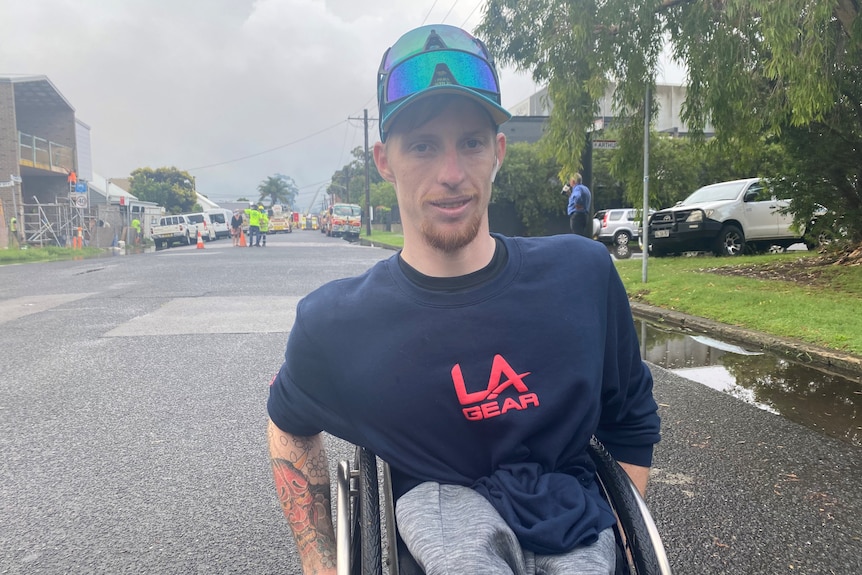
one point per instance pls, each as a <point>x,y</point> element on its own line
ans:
<point>757,70</point>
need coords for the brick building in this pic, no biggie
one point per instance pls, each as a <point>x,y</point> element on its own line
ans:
<point>38,155</point>
<point>46,176</point>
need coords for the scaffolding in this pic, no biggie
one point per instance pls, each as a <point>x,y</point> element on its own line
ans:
<point>56,224</point>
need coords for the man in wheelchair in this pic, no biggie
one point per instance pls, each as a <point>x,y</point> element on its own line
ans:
<point>478,366</point>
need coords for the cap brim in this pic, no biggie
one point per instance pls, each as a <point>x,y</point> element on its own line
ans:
<point>498,114</point>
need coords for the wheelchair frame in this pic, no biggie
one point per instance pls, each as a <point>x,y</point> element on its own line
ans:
<point>360,545</point>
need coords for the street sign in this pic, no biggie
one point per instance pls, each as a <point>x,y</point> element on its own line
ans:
<point>81,187</point>
<point>604,144</point>
<point>80,200</point>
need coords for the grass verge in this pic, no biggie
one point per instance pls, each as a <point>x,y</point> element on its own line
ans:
<point>47,254</point>
<point>384,238</point>
<point>821,308</point>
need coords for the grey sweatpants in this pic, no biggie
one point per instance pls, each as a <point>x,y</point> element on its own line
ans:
<point>452,530</point>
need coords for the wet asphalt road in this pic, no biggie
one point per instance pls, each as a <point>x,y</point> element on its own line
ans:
<point>132,414</point>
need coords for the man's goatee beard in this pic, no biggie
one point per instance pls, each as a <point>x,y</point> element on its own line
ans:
<point>451,242</point>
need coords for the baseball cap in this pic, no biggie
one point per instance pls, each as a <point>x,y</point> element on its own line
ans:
<point>433,60</point>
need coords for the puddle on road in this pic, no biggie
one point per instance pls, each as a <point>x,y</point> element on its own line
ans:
<point>820,400</point>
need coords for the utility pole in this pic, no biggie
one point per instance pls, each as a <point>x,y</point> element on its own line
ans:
<point>346,199</point>
<point>645,214</point>
<point>367,185</point>
<point>365,119</point>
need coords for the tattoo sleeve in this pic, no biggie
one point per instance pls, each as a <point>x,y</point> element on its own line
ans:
<point>301,474</point>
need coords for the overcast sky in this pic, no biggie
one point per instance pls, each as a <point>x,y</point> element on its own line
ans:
<point>231,90</point>
<point>199,84</point>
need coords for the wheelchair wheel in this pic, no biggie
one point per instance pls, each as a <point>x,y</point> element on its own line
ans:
<point>642,552</point>
<point>366,553</point>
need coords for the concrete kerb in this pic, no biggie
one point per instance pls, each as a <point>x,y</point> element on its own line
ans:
<point>376,244</point>
<point>847,365</point>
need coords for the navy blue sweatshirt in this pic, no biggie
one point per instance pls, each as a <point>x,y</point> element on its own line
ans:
<point>498,387</point>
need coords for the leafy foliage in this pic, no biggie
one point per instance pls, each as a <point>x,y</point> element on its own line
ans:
<point>760,71</point>
<point>529,180</point>
<point>170,188</point>
<point>348,183</point>
<point>383,195</point>
<point>678,166</point>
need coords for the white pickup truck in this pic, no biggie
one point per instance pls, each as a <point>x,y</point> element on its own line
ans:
<point>173,229</point>
<point>725,218</point>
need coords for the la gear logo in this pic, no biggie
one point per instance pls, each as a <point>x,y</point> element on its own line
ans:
<point>479,405</point>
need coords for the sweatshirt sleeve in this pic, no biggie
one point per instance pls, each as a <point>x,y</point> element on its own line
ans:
<point>298,400</point>
<point>629,423</point>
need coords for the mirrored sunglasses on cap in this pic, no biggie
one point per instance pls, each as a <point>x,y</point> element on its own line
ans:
<point>432,37</point>
<point>435,55</point>
<point>439,67</point>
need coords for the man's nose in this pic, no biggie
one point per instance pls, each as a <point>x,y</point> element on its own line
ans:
<point>451,170</point>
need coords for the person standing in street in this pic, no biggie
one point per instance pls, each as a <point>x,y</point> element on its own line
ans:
<point>264,227</point>
<point>236,227</point>
<point>580,203</point>
<point>253,225</point>
<point>136,226</point>
<point>13,233</point>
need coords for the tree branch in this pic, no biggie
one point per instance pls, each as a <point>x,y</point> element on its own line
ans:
<point>666,4</point>
<point>847,11</point>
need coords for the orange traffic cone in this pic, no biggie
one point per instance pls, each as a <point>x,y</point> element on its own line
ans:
<point>242,243</point>
<point>200,241</point>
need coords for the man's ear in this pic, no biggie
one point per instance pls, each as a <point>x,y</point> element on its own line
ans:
<point>496,168</point>
<point>382,162</point>
<point>500,148</point>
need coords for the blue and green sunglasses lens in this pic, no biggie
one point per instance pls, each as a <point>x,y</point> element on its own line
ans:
<point>418,73</point>
<point>425,38</point>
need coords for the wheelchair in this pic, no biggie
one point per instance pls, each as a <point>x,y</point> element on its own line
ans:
<point>366,543</point>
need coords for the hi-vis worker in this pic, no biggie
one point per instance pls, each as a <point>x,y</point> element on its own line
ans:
<point>13,233</point>
<point>253,226</point>
<point>264,226</point>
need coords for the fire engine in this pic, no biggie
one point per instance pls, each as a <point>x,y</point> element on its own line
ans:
<point>344,220</point>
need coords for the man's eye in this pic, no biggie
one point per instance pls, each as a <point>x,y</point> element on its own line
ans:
<point>473,144</point>
<point>421,148</point>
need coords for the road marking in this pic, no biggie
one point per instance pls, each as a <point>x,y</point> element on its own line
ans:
<point>209,315</point>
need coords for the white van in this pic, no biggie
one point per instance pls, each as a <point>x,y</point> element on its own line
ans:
<point>221,222</point>
<point>204,225</point>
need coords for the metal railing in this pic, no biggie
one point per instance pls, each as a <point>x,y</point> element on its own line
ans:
<point>41,153</point>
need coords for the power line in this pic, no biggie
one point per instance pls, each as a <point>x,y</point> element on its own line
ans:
<point>455,3</point>
<point>267,151</point>
<point>471,13</point>
<point>429,13</point>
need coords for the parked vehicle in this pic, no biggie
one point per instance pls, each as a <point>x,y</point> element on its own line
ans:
<point>203,224</point>
<point>280,220</point>
<point>344,220</point>
<point>618,226</point>
<point>169,230</point>
<point>220,219</point>
<point>726,218</point>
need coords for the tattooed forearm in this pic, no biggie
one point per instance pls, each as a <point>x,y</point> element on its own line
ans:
<point>307,508</point>
<point>301,473</point>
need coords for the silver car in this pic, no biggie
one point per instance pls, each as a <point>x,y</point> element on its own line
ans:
<point>618,226</point>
